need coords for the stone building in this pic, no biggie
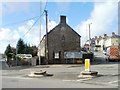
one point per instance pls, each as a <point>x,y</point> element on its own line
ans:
<point>60,39</point>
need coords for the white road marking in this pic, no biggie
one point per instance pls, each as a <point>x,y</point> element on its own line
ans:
<point>114,81</point>
<point>71,68</point>
<point>17,77</point>
<point>68,80</point>
<point>84,79</point>
<point>78,80</point>
<point>107,83</point>
<point>116,85</point>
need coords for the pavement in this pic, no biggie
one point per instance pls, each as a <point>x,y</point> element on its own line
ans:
<point>64,75</point>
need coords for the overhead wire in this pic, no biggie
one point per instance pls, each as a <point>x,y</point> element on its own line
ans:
<point>38,17</point>
<point>36,20</point>
<point>31,27</point>
<point>20,21</point>
<point>25,19</point>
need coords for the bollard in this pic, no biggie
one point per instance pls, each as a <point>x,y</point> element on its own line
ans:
<point>87,65</point>
<point>88,73</point>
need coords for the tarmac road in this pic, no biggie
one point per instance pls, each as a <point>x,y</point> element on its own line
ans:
<point>64,75</point>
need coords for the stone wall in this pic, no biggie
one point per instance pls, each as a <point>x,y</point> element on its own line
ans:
<point>62,39</point>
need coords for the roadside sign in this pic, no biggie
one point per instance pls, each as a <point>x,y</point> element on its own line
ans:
<point>72,55</point>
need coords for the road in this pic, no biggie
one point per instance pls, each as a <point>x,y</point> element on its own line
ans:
<point>65,76</point>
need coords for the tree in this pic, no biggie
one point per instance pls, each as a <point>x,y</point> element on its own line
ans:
<point>23,48</point>
<point>20,46</point>
<point>8,51</point>
<point>26,49</point>
<point>35,50</point>
<point>30,50</point>
<point>9,54</point>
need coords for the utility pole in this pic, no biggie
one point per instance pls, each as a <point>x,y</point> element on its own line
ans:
<point>46,45</point>
<point>40,34</point>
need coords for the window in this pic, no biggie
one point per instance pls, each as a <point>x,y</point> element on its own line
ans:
<point>56,55</point>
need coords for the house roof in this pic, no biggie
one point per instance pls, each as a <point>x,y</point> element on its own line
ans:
<point>66,25</point>
<point>115,36</point>
<point>73,30</point>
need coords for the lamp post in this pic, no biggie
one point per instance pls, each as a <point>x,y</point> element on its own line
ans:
<point>39,50</point>
<point>89,36</point>
<point>16,55</point>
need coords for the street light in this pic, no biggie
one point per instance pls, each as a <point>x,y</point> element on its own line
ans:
<point>16,55</point>
<point>39,49</point>
<point>89,31</point>
<point>89,35</point>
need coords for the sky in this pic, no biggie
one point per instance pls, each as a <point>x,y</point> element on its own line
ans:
<point>103,17</point>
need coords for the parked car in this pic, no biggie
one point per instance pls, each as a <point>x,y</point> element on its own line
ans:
<point>83,49</point>
<point>27,56</point>
<point>24,56</point>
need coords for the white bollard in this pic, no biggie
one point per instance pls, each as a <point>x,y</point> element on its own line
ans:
<point>87,65</point>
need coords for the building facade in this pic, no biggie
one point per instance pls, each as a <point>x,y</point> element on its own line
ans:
<point>60,39</point>
<point>103,42</point>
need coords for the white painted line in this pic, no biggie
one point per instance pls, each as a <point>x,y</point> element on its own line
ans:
<point>115,74</point>
<point>68,80</point>
<point>17,77</point>
<point>84,79</point>
<point>78,80</point>
<point>71,68</point>
<point>114,81</point>
<point>116,85</point>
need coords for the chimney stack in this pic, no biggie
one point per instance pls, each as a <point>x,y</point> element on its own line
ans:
<point>100,37</point>
<point>113,33</point>
<point>95,37</point>
<point>62,19</point>
<point>105,35</point>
